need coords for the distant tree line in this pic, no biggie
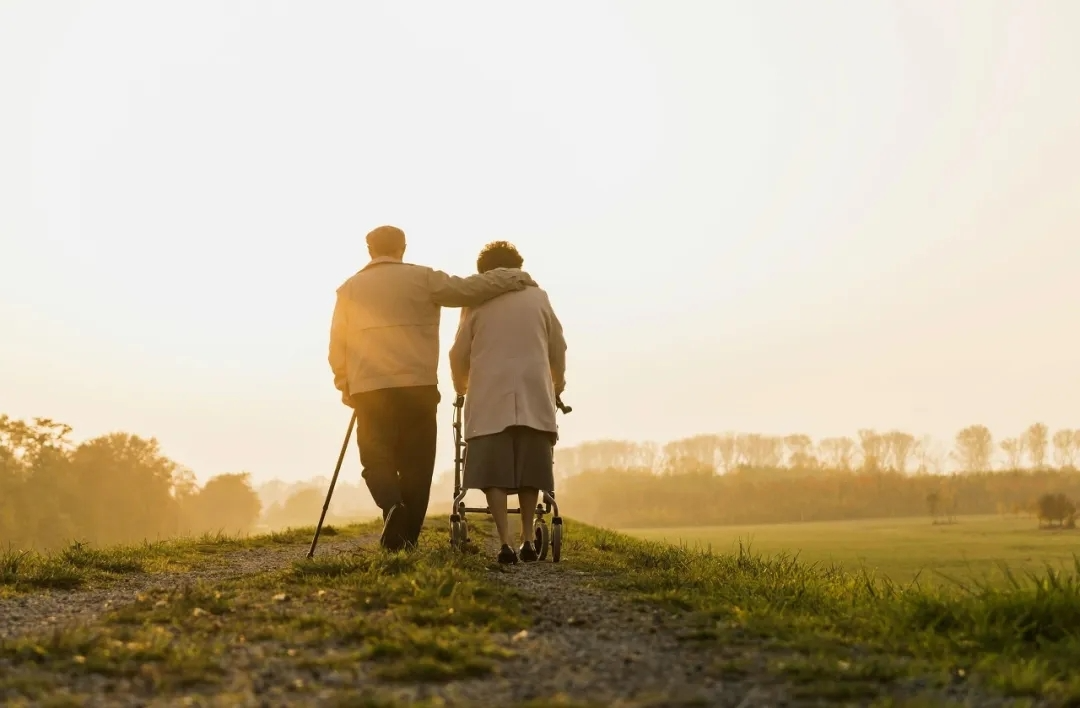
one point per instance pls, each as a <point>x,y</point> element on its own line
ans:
<point>751,478</point>
<point>625,498</point>
<point>973,450</point>
<point>116,488</point>
<point>120,488</point>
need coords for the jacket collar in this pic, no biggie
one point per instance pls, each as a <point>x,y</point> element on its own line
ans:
<point>381,260</point>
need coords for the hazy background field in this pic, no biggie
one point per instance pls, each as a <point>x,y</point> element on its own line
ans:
<point>972,548</point>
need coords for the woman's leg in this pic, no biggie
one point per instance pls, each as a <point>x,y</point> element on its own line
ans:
<point>527,501</point>
<point>496,499</point>
<point>533,468</point>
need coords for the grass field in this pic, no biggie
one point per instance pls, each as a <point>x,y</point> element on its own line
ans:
<point>975,547</point>
<point>359,627</point>
<point>850,633</point>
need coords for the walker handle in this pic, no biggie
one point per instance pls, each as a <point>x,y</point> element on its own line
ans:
<point>562,406</point>
<point>459,401</point>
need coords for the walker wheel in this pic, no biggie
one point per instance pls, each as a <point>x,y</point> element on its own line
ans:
<point>459,532</point>
<point>541,538</point>
<point>556,539</point>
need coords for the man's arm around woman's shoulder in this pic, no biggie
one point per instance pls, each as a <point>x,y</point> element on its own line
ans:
<point>452,291</point>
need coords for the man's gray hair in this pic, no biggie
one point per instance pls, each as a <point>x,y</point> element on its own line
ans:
<point>386,241</point>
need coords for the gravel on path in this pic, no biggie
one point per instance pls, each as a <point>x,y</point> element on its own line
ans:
<point>589,645</point>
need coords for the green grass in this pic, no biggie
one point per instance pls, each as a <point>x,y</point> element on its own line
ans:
<point>902,550</point>
<point>841,634</point>
<point>432,615</point>
<point>81,565</point>
<point>377,620</point>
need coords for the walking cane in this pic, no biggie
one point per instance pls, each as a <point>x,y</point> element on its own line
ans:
<point>333,481</point>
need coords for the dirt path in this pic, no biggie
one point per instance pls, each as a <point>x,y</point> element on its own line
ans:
<point>587,645</point>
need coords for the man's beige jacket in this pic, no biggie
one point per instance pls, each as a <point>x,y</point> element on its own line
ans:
<point>509,358</point>
<point>385,329</point>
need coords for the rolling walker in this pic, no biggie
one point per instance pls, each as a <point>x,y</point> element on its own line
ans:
<point>543,538</point>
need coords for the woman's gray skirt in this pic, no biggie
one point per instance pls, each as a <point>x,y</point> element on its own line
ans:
<point>518,457</point>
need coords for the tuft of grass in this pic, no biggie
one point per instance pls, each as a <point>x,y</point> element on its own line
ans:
<point>25,570</point>
<point>119,561</point>
<point>1022,637</point>
<point>77,565</point>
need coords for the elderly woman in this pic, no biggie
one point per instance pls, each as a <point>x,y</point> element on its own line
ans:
<point>509,361</point>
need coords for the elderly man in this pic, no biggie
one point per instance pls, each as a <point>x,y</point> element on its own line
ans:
<point>384,352</point>
<point>509,360</point>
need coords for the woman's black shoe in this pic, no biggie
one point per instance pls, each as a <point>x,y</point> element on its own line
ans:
<point>528,553</point>
<point>507,555</point>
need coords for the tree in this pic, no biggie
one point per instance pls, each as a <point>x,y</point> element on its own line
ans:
<point>1055,507</point>
<point>1035,439</point>
<point>700,448</point>
<point>688,465</point>
<point>800,452</point>
<point>605,454</point>
<point>900,446</point>
<point>184,484</point>
<point>726,450</point>
<point>227,504</point>
<point>37,497</point>
<point>933,504</point>
<point>1014,452</point>
<point>29,442</point>
<point>837,453</point>
<point>773,449</point>
<point>872,447</point>
<point>974,448</point>
<point>1065,448</point>
<point>130,484</point>
<point>760,451</point>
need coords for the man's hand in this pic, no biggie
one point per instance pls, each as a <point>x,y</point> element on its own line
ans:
<point>525,280</point>
<point>345,399</point>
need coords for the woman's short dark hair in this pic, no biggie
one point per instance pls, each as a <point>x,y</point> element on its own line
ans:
<point>498,254</point>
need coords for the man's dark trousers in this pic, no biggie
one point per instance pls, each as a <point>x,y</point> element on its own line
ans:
<point>396,431</point>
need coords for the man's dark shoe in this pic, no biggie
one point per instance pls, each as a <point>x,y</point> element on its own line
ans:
<point>393,532</point>
<point>528,553</point>
<point>507,555</point>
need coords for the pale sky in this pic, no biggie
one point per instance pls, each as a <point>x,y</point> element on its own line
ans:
<point>753,216</point>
